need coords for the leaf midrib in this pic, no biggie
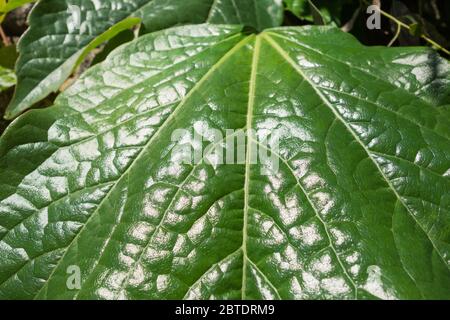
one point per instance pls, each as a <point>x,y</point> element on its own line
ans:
<point>250,106</point>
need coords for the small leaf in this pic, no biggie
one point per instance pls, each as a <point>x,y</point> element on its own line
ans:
<point>317,14</point>
<point>416,29</point>
<point>358,206</point>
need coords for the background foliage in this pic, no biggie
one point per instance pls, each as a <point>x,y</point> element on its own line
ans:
<point>427,18</point>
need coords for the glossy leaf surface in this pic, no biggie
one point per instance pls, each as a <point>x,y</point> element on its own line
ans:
<point>358,208</point>
<point>61,30</point>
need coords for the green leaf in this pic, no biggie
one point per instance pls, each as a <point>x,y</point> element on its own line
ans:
<point>48,54</point>
<point>359,206</point>
<point>416,29</point>
<point>7,78</point>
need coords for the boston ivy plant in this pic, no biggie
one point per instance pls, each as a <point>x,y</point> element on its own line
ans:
<point>358,206</point>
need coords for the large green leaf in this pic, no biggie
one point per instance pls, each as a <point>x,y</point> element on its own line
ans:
<point>61,30</point>
<point>358,208</point>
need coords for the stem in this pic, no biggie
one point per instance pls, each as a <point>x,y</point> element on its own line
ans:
<point>349,25</point>
<point>404,25</point>
<point>317,15</point>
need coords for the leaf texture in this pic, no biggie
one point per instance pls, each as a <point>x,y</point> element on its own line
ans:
<point>359,208</point>
<point>61,31</point>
